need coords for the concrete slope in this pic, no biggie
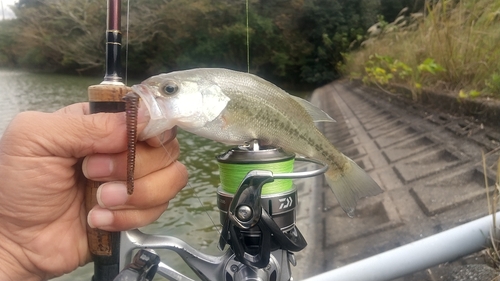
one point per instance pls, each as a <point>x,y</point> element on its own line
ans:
<point>428,163</point>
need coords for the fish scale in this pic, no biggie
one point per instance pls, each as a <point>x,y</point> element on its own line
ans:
<point>234,108</point>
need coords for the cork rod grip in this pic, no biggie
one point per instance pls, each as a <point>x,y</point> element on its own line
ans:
<point>103,245</point>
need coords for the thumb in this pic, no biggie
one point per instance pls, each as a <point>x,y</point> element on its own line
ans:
<point>65,135</point>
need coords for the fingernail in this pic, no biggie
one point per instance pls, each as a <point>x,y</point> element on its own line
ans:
<point>98,217</point>
<point>97,166</point>
<point>168,135</point>
<point>112,194</point>
<point>162,138</point>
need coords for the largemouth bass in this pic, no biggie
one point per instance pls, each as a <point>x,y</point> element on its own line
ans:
<point>234,108</point>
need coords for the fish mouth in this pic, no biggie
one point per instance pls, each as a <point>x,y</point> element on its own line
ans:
<point>155,109</point>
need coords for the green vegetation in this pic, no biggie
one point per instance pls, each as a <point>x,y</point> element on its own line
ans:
<point>492,197</point>
<point>293,42</point>
<point>447,45</point>
<point>451,46</point>
<point>383,69</point>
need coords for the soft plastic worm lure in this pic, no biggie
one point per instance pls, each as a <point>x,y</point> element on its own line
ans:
<point>131,108</point>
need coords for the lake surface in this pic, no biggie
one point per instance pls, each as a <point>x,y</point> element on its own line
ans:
<point>190,216</point>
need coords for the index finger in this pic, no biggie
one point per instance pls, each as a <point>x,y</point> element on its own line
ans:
<point>162,138</point>
<point>81,108</point>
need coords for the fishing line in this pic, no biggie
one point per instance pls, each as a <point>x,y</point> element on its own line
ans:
<point>248,40</point>
<point>231,175</point>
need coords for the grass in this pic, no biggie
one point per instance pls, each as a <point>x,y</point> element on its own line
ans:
<point>493,252</point>
<point>461,38</point>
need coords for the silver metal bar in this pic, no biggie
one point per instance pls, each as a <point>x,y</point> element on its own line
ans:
<point>170,273</point>
<point>419,255</point>
<point>299,175</point>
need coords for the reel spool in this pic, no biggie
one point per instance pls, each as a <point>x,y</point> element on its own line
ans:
<point>257,201</point>
<point>278,197</point>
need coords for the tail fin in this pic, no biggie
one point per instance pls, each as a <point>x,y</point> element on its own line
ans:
<point>354,184</point>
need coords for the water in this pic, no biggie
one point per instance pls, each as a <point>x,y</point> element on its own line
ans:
<point>189,216</point>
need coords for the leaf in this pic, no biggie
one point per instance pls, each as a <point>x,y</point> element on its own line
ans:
<point>474,93</point>
<point>462,94</point>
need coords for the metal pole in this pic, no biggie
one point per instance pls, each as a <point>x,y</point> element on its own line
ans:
<point>446,246</point>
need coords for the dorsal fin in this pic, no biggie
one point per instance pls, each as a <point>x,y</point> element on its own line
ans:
<point>316,114</point>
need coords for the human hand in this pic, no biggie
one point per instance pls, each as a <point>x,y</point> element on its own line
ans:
<point>44,160</point>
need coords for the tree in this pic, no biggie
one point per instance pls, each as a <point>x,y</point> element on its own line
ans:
<point>291,41</point>
<point>62,34</point>
<point>330,26</point>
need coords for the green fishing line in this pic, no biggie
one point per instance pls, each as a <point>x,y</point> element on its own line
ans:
<point>231,175</point>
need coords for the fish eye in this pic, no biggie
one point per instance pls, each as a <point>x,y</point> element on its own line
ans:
<point>170,88</point>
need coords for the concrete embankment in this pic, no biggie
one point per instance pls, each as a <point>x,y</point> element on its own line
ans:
<point>428,163</point>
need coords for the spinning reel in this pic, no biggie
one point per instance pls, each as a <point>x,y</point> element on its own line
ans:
<point>257,201</point>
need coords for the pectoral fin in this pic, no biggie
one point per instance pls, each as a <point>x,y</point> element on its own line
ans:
<point>214,102</point>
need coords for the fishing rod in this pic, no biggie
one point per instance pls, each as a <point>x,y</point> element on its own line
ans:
<point>107,97</point>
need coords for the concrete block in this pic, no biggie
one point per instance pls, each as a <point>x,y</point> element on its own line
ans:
<point>379,121</point>
<point>397,136</point>
<point>387,128</point>
<point>408,148</point>
<point>434,161</point>
<point>451,192</point>
<point>372,216</point>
